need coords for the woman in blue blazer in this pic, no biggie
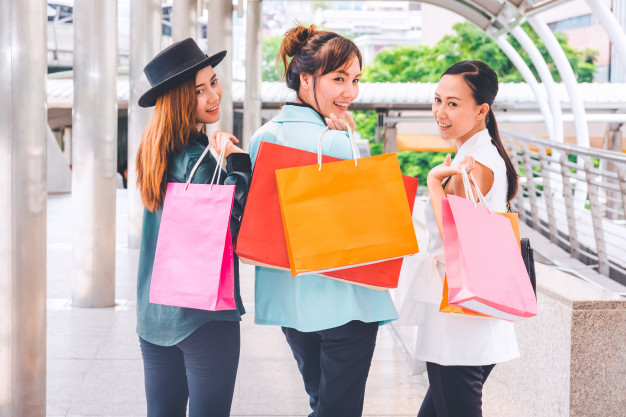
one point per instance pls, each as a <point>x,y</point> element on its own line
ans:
<point>331,326</point>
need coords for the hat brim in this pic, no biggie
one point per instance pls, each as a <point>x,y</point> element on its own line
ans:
<point>149,98</point>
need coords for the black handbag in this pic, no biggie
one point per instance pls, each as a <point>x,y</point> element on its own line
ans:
<point>529,262</point>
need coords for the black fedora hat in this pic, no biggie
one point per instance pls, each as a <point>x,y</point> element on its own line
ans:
<point>172,65</point>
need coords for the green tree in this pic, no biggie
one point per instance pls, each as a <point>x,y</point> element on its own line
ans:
<point>421,63</point>
<point>271,66</point>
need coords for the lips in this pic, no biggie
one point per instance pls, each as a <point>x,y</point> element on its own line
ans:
<point>213,110</point>
<point>443,125</point>
<point>341,104</point>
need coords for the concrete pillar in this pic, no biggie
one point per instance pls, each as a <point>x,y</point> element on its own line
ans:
<point>390,143</point>
<point>145,41</point>
<point>94,153</point>
<point>184,19</point>
<point>67,144</point>
<point>220,33</point>
<point>23,123</point>
<point>254,46</point>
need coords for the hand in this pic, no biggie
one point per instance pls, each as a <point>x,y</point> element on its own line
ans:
<point>443,171</point>
<point>335,123</point>
<point>217,140</point>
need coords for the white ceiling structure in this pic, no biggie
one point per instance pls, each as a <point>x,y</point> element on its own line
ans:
<point>499,18</point>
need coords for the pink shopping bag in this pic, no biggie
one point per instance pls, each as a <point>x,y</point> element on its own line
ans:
<point>193,264</point>
<point>484,266</point>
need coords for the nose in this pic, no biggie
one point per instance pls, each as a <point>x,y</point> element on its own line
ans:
<point>214,94</point>
<point>351,91</point>
<point>438,110</point>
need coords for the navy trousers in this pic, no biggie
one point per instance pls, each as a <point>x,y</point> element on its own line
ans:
<point>334,364</point>
<point>202,369</point>
<point>454,391</point>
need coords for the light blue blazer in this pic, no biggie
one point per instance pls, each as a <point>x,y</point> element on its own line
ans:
<point>310,302</point>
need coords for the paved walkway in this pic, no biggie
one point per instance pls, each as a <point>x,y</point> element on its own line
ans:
<point>94,361</point>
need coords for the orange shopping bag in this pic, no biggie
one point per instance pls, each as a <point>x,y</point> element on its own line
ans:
<point>344,214</point>
<point>261,238</point>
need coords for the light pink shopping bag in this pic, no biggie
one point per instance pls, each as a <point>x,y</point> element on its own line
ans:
<point>484,266</point>
<point>193,264</point>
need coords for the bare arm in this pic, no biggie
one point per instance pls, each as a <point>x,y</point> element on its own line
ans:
<point>436,176</point>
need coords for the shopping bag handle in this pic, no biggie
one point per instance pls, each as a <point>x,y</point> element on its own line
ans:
<point>468,189</point>
<point>319,146</point>
<point>218,170</point>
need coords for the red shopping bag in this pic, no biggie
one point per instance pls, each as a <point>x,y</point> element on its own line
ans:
<point>261,239</point>
<point>193,263</point>
<point>484,266</point>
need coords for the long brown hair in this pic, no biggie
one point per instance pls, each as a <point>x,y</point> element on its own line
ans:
<point>314,52</point>
<point>169,130</point>
<point>483,82</point>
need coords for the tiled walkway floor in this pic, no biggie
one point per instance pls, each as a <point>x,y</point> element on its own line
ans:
<point>94,362</point>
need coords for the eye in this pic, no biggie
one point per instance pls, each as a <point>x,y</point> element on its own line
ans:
<point>452,104</point>
<point>339,79</point>
<point>199,91</point>
<point>356,80</point>
<point>437,100</point>
<point>214,82</point>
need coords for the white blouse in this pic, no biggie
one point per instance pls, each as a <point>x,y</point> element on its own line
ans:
<point>457,339</point>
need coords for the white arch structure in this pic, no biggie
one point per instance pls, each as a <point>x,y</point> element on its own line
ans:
<point>498,17</point>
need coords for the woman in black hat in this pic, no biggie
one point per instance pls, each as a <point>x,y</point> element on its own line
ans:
<point>188,354</point>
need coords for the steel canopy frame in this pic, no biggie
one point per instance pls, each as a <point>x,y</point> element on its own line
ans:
<point>611,26</point>
<point>490,15</point>
<point>528,76</point>
<point>568,77</point>
<point>490,25</point>
<point>546,78</point>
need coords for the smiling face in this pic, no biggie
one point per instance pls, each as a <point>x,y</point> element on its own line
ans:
<point>334,91</point>
<point>209,95</point>
<point>456,112</point>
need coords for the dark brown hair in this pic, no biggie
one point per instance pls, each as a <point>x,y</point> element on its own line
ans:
<point>170,128</point>
<point>483,82</point>
<point>314,52</point>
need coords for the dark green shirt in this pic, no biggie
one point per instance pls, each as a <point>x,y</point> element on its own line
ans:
<point>166,325</point>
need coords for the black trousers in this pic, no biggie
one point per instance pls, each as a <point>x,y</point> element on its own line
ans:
<point>201,369</point>
<point>454,391</point>
<point>334,364</point>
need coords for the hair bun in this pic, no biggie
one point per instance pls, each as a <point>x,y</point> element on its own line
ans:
<point>295,39</point>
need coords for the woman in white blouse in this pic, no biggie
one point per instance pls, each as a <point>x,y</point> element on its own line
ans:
<point>461,350</point>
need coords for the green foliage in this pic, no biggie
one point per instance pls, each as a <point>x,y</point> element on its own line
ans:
<point>271,67</point>
<point>418,164</point>
<point>365,123</point>
<point>319,5</point>
<point>422,63</point>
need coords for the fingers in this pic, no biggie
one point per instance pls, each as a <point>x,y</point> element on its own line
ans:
<point>218,139</point>
<point>335,123</point>
<point>448,160</point>
<point>213,139</point>
<point>468,163</point>
<point>350,121</point>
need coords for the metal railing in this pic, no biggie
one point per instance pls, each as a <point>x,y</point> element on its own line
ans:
<point>575,196</point>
